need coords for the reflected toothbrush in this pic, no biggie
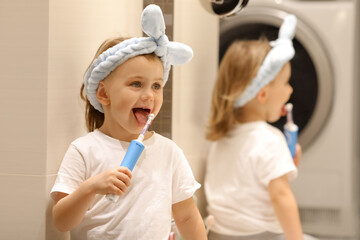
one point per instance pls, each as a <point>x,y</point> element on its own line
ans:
<point>290,130</point>
<point>133,153</point>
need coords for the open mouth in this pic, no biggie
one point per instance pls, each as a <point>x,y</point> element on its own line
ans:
<point>141,115</point>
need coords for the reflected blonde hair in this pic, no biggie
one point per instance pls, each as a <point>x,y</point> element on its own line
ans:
<point>238,68</point>
<point>93,118</point>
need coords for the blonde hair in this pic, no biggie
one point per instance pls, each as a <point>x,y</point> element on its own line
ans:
<point>93,118</point>
<point>238,67</point>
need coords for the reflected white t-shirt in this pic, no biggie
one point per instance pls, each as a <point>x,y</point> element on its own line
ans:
<point>239,168</point>
<point>161,177</point>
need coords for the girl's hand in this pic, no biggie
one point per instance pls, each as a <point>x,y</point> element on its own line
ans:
<point>69,210</point>
<point>113,181</point>
<point>298,154</point>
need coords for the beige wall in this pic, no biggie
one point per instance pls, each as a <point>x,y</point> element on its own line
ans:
<point>193,84</point>
<point>45,48</point>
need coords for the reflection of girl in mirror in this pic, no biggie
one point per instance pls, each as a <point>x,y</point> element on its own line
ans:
<point>249,164</point>
<point>123,85</point>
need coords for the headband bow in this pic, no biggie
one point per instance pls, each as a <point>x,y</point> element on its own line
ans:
<point>282,52</point>
<point>170,53</point>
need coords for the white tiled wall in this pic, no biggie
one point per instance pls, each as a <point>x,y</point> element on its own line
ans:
<point>193,83</point>
<point>45,47</point>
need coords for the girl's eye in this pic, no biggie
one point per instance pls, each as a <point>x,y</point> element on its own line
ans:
<point>156,86</point>
<point>136,84</point>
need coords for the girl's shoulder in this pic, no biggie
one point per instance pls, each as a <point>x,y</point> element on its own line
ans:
<point>164,147</point>
<point>161,141</point>
<point>90,136</point>
<point>258,130</point>
<point>273,130</point>
<point>94,139</point>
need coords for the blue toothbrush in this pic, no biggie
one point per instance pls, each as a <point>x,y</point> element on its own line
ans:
<point>133,153</point>
<point>290,130</point>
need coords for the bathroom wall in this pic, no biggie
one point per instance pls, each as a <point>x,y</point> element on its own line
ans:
<point>23,66</point>
<point>192,84</point>
<point>45,48</point>
<point>162,123</point>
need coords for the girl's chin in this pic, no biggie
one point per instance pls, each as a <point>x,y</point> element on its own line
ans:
<point>274,118</point>
<point>138,127</point>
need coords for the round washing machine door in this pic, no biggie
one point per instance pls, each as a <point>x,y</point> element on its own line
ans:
<point>312,76</point>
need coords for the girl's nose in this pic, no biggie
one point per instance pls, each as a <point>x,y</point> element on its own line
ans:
<point>147,94</point>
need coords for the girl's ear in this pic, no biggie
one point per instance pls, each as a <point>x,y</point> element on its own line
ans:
<point>101,94</point>
<point>262,95</point>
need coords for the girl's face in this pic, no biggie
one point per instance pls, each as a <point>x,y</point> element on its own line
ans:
<point>133,90</point>
<point>279,91</point>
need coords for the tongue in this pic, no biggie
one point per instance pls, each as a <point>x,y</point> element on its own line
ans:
<point>283,111</point>
<point>141,116</point>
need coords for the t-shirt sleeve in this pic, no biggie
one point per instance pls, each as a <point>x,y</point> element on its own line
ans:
<point>71,173</point>
<point>184,184</point>
<point>275,161</point>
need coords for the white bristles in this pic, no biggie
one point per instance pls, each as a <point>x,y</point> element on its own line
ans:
<point>149,120</point>
<point>289,115</point>
<point>151,116</point>
<point>289,107</point>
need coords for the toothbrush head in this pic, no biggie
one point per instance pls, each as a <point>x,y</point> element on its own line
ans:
<point>151,116</point>
<point>289,107</point>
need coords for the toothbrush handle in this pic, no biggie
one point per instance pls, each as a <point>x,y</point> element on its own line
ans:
<point>132,155</point>
<point>112,197</point>
<point>291,132</point>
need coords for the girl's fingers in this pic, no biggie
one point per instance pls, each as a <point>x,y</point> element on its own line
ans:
<point>120,187</point>
<point>122,180</point>
<point>125,170</point>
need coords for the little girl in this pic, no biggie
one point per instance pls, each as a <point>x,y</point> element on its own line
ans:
<point>122,86</point>
<point>249,164</point>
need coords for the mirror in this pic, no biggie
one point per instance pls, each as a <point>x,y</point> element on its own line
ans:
<point>223,8</point>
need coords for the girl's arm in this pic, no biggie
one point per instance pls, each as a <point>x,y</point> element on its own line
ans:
<point>285,207</point>
<point>188,220</point>
<point>69,210</point>
<point>298,154</point>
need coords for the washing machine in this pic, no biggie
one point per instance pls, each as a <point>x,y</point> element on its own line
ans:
<point>323,78</point>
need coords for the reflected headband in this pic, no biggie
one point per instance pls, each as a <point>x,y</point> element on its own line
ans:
<point>282,52</point>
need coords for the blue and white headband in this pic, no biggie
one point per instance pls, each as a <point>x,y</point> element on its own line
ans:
<point>282,52</point>
<point>170,53</point>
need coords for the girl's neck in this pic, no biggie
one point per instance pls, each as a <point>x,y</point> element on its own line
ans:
<point>250,114</point>
<point>120,135</point>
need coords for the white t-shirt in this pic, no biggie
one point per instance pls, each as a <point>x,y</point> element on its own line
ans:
<point>239,169</point>
<point>161,177</point>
